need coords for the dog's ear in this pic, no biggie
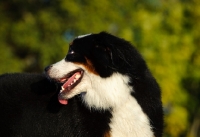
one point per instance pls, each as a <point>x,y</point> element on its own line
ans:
<point>101,58</point>
<point>109,52</point>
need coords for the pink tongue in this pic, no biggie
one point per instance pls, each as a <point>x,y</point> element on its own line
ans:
<point>63,101</point>
<point>70,80</point>
<point>65,85</point>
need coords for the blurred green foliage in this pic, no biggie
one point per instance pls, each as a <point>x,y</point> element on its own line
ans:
<point>36,33</point>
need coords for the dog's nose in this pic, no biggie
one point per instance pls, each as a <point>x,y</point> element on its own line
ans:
<point>47,68</point>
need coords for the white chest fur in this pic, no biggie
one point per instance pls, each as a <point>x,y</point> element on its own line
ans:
<point>114,92</point>
<point>129,121</point>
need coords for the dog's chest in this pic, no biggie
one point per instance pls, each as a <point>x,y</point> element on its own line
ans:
<point>129,120</point>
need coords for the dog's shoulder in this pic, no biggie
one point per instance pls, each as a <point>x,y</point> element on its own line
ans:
<point>19,82</point>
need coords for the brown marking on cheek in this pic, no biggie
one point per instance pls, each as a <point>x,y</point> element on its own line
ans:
<point>107,134</point>
<point>89,66</point>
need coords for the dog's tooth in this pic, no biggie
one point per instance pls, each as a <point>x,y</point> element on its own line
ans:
<point>62,88</point>
<point>77,76</point>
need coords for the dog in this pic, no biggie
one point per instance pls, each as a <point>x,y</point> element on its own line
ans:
<point>102,88</point>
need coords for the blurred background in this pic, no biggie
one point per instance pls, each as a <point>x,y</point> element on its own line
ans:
<point>36,33</point>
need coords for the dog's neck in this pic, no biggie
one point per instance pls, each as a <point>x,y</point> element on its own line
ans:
<point>114,92</point>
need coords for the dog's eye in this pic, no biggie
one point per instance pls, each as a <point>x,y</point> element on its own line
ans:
<point>71,52</point>
<point>74,56</point>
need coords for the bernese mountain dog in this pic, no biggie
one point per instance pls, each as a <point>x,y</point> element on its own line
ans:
<point>102,88</point>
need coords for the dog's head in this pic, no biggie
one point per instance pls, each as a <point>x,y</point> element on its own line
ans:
<point>108,72</point>
<point>97,66</point>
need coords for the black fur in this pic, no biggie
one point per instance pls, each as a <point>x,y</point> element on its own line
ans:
<point>111,54</point>
<point>29,104</point>
<point>29,108</point>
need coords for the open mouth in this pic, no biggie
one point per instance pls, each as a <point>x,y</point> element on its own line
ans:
<point>68,82</point>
